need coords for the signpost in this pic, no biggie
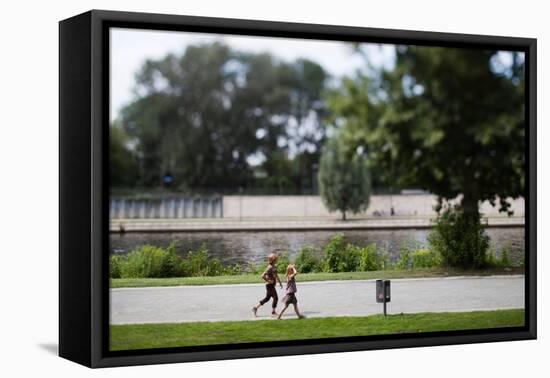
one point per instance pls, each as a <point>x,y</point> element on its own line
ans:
<point>383,294</point>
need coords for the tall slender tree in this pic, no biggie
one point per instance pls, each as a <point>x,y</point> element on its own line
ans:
<point>344,180</point>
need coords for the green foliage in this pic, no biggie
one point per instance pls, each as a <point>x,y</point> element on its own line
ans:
<point>405,260</point>
<point>282,262</point>
<point>425,258</point>
<point>232,270</point>
<point>334,251</point>
<point>307,260</point>
<point>460,238</point>
<point>150,262</point>
<point>420,130</point>
<point>115,263</point>
<point>416,124</point>
<point>156,262</point>
<point>491,259</point>
<point>344,179</point>
<point>200,114</point>
<point>123,166</point>
<point>494,261</point>
<point>384,259</point>
<point>256,268</point>
<point>341,256</point>
<point>505,256</point>
<point>199,263</point>
<point>369,260</point>
<point>351,258</point>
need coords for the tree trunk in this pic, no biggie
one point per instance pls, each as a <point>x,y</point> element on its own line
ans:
<point>470,208</point>
<point>344,215</point>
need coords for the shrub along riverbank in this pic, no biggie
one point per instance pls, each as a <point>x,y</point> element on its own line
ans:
<point>156,266</point>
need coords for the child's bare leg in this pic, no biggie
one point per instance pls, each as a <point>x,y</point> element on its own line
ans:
<point>281,313</point>
<point>255,308</point>
<point>297,311</point>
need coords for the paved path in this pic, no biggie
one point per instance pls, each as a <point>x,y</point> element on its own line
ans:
<point>316,299</point>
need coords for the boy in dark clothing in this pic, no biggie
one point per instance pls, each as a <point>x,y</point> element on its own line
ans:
<point>271,277</point>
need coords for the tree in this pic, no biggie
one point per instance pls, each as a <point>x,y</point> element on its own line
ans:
<point>204,114</point>
<point>448,120</point>
<point>122,161</point>
<point>344,180</point>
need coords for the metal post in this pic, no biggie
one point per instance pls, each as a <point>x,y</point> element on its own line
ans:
<point>383,294</point>
<point>385,300</point>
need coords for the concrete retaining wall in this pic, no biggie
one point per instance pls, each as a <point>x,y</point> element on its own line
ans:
<point>312,206</point>
<point>182,207</point>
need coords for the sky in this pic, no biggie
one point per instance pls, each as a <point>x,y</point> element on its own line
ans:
<point>131,47</point>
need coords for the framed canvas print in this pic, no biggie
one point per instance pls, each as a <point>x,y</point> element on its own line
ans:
<point>234,188</point>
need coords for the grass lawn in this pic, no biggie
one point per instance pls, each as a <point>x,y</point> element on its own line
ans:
<point>255,278</point>
<point>140,336</point>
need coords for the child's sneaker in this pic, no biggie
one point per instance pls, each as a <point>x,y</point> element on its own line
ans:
<point>254,311</point>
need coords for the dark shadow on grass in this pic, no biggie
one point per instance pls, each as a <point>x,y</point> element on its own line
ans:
<point>52,348</point>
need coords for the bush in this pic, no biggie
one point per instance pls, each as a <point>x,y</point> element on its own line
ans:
<point>384,260</point>
<point>350,258</point>
<point>369,259</point>
<point>425,258</point>
<point>232,270</point>
<point>307,261</point>
<point>493,261</point>
<point>171,263</point>
<point>115,264</point>
<point>404,261</point>
<point>334,251</point>
<point>460,239</point>
<point>150,262</point>
<point>156,262</point>
<point>199,264</point>
<point>505,256</point>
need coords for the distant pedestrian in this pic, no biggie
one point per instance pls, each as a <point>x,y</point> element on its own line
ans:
<point>270,277</point>
<point>291,290</point>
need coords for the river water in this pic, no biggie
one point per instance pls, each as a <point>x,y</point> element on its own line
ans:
<point>249,246</point>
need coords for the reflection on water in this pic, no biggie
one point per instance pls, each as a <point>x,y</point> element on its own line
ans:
<point>243,247</point>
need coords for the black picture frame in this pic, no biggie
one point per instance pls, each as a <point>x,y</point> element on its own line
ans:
<point>83,181</point>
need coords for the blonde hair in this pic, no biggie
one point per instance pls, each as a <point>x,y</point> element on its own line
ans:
<point>272,258</point>
<point>289,269</point>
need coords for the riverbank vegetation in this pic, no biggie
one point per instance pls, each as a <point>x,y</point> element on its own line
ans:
<point>142,336</point>
<point>339,259</point>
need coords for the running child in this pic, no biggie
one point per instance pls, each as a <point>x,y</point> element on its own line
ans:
<point>270,277</point>
<point>291,290</point>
